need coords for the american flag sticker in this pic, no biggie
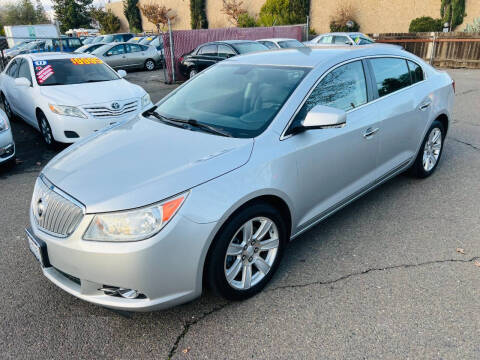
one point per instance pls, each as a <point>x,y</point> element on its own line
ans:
<point>44,74</point>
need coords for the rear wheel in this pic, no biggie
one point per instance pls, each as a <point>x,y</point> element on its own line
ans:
<point>7,108</point>
<point>430,152</point>
<point>46,131</point>
<point>149,65</point>
<point>246,253</point>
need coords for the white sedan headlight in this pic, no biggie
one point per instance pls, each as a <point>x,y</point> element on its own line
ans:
<point>3,124</point>
<point>67,110</point>
<point>133,225</point>
<point>145,100</point>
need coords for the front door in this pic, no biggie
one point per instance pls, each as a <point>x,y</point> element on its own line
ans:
<point>24,94</point>
<point>336,164</point>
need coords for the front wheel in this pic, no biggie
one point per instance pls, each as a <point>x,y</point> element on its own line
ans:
<point>192,73</point>
<point>246,253</point>
<point>46,131</point>
<point>430,152</point>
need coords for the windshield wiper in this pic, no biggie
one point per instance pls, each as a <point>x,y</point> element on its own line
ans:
<point>152,112</point>
<point>192,122</point>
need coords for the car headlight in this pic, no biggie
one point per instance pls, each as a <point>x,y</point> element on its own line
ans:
<point>3,124</point>
<point>67,110</point>
<point>145,100</point>
<point>133,225</point>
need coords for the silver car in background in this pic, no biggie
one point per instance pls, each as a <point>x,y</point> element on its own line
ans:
<point>340,39</point>
<point>129,56</point>
<point>7,146</point>
<point>207,187</point>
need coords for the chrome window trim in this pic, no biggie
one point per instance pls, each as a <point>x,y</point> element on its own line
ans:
<point>284,137</point>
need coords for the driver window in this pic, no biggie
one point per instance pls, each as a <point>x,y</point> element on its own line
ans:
<point>344,88</point>
<point>225,51</point>
<point>12,69</point>
<point>24,71</point>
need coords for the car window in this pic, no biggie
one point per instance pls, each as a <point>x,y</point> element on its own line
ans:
<point>340,40</point>
<point>327,39</point>
<point>416,72</point>
<point>391,74</point>
<point>225,51</point>
<point>133,48</point>
<point>12,69</point>
<point>247,47</point>
<point>289,44</point>
<point>269,44</point>
<point>143,47</point>
<point>24,70</point>
<point>74,43</point>
<point>116,50</point>
<point>343,88</point>
<point>209,50</point>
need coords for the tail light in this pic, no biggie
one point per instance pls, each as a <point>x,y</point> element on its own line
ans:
<point>180,58</point>
<point>453,85</point>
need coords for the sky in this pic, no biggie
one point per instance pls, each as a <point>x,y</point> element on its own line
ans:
<point>47,4</point>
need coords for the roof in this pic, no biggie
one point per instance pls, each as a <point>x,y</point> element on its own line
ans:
<point>232,42</point>
<point>277,39</point>
<point>345,34</point>
<point>312,56</point>
<point>56,55</point>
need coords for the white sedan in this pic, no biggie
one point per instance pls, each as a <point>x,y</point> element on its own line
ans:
<point>68,96</point>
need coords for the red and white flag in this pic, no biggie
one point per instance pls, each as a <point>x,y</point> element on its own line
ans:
<point>44,74</point>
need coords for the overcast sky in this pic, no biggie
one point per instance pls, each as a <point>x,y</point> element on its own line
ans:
<point>47,4</point>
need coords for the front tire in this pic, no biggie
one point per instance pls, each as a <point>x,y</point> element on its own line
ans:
<point>430,152</point>
<point>192,73</point>
<point>46,131</point>
<point>246,252</point>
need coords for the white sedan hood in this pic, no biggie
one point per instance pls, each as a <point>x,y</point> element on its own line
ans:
<point>142,162</point>
<point>91,93</point>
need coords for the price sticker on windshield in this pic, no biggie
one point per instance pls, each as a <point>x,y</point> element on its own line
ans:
<point>85,61</point>
<point>40,63</point>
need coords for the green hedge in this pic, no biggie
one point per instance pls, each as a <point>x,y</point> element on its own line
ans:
<point>425,24</point>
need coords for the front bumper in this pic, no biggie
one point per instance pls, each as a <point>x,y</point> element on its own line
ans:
<point>166,268</point>
<point>7,146</point>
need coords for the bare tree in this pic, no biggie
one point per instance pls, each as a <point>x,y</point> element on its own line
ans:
<point>233,9</point>
<point>158,15</point>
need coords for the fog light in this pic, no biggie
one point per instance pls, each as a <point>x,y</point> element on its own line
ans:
<point>122,292</point>
<point>7,150</point>
<point>128,293</point>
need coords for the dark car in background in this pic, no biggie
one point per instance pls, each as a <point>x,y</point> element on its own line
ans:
<point>211,53</point>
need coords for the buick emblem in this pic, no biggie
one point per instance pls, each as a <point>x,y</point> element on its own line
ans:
<point>115,106</point>
<point>40,208</point>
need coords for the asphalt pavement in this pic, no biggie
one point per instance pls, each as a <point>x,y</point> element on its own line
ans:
<point>395,275</point>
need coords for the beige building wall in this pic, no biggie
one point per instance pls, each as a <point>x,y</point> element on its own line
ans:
<point>117,9</point>
<point>472,8</point>
<point>217,19</point>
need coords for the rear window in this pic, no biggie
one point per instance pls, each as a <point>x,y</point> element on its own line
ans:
<point>391,74</point>
<point>416,72</point>
<point>244,48</point>
<point>72,71</point>
<point>288,44</point>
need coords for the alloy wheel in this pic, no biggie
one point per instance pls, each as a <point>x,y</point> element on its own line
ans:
<point>150,65</point>
<point>251,253</point>
<point>46,131</point>
<point>432,149</point>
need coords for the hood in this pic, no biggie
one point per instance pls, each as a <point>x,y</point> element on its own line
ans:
<point>142,162</point>
<point>92,93</point>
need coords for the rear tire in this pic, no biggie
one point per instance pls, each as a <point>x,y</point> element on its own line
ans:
<point>242,258</point>
<point>149,65</point>
<point>430,152</point>
<point>46,131</point>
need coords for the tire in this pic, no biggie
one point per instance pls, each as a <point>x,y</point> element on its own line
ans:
<point>192,73</point>
<point>430,152</point>
<point>149,65</point>
<point>227,275</point>
<point>46,131</point>
<point>7,108</point>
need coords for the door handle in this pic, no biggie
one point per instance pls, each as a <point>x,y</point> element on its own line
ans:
<point>425,105</point>
<point>370,132</point>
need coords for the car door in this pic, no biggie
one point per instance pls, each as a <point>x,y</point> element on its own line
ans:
<point>340,40</point>
<point>116,57</point>
<point>8,84</point>
<point>400,111</point>
<point>135,55</point>
<point>26,95</point>
<point>337,164</point>
<point>207,56</point>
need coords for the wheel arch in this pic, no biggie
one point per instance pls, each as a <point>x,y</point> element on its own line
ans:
<point>443,118</point>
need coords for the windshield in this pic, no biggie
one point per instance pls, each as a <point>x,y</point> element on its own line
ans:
<point>21,45</point>
<point>241,100</point>
<point>361,39</point>
<point>290,44</point>
<point>72,71</point>
<point>244,48</point>
<point>33,45</point>
<point>98,39</point>
<point>147,40</point>
<point>88,40</point>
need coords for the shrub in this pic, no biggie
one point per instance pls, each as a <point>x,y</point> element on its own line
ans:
<point>474,27</point>
<point>453,12</point>
<point>425,24</point>
<point>284,12</point>
<point>344,14</point>
<point>245,20</point>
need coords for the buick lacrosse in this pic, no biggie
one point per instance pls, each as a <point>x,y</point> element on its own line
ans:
<point>208,186</point>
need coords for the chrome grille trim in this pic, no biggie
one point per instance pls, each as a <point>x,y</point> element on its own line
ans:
<point>60,214</point>
<point>103,111</point>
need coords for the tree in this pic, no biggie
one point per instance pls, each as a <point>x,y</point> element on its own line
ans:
<point>453,12</point>
<point>40,13</point>
<point>109,23</point>
<point>198,16</point>
<point>73,14</point>
<point>158,15</point>
<point>23,13</point>
<point>132,13</point>
<point>246,20</point>
<point>284,12</point>
<point>233,9</point>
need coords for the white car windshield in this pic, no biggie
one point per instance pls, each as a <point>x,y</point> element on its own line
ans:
<point>72,71</point>
<point>240,100</point>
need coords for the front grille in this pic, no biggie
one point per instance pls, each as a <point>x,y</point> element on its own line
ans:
<point>103,111</point>
<point>53,212</point>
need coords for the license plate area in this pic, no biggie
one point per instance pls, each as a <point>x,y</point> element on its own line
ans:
<point>38,249</point>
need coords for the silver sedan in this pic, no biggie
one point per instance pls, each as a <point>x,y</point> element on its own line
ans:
<point>7,146</point>
<point>129,56</point>
<point>207,187</point>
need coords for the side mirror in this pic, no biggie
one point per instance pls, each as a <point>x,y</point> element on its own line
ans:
<point>321,117</point>
<point>22,82</point>
<point>122,73</point>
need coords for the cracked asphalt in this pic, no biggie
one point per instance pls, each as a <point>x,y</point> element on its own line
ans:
<point>381,279</point>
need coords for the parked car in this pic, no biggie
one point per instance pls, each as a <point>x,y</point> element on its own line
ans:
<point>207,187</point>
<point>136,39</point>
<point>113,38</point>
<point>129,56</point>
<point>87,49</point>
<point>52,45</point>
<point>7,145</point>
<point>156,42</point>
<point>340,38</point>
<point>68,96</point>
<point>281,43</point>
<point>211,53</point>
<point>14,51</point>
<point>88,40</point>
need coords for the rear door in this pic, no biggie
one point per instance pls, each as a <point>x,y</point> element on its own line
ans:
<point>116,56</point>
<point>8,84</point>
<point>135,54</point>
<point>25,95</point>
<point>400,108</point>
